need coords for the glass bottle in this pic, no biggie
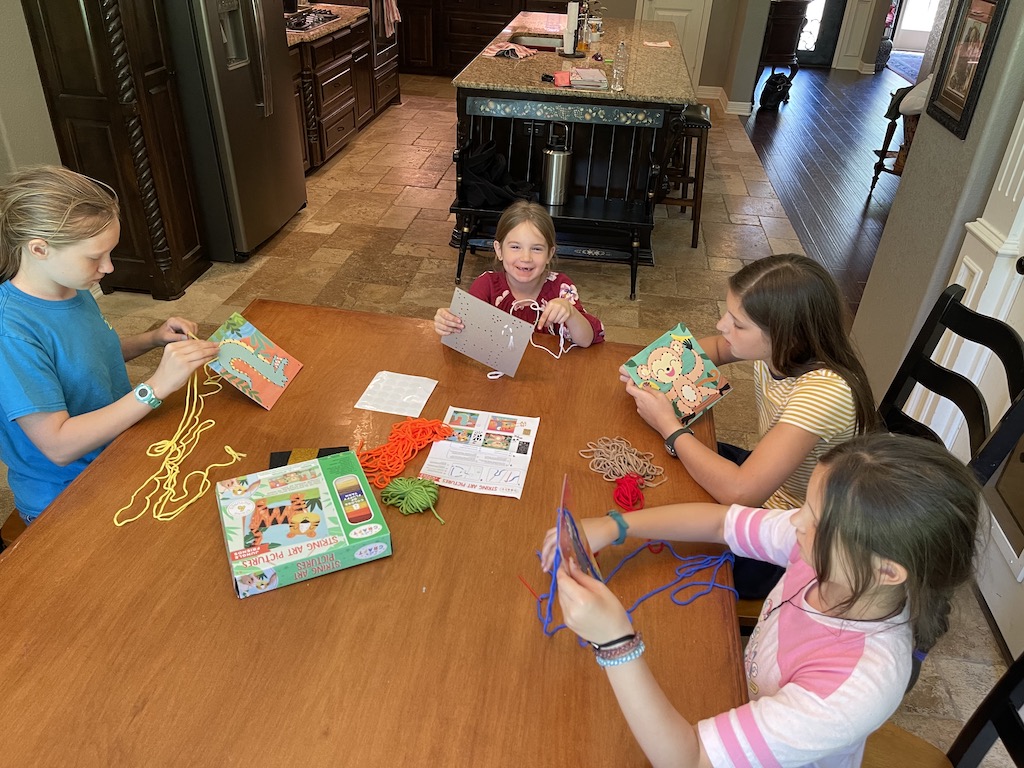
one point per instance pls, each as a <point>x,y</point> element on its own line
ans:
<point>619,66</point>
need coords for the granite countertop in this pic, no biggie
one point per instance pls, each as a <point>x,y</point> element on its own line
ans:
<point>347,16</point>
<point>656,75</point>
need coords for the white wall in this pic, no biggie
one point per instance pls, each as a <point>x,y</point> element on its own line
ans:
<point>26,136</point>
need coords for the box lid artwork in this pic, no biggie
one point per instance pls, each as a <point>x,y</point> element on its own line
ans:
<point>299,521</point>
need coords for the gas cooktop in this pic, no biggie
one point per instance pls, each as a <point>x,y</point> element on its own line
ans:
<point>307,19</point>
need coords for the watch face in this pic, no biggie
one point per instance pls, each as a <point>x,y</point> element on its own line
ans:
<point>144,392</point>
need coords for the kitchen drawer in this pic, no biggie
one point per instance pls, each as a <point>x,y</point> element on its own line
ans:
<point>360,33</point>
<point>544,6</point>
<point>472,25</point>
<point>385,87</point>
<point>508,8</point>
<point>328,48</point>
<point>333,84</point>
<point>337,129</point>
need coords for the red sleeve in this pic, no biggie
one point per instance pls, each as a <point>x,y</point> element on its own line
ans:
<point>483,288</point>
<point>564,288</point>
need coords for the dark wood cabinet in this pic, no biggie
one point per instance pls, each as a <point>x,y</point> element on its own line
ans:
<point>295,61</point>
<point>362,76</point>
<point>416,38</point>
<point>111,95</point>
<point>339,88</point>
<point>442,36</point>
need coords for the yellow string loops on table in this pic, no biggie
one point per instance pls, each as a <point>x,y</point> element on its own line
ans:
<point>614,458</point>
<point>175,451</point>
<point>411,495</point>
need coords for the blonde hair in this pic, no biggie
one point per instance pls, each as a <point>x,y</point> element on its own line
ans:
<point>523,211</point>
<point>54,204</point>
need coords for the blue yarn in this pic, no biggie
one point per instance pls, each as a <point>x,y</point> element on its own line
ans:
<point>690,566</point>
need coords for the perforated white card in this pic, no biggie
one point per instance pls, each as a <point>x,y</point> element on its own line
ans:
<point>490,336</point>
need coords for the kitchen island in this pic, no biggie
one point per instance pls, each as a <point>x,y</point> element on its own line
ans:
<point>620,141</point>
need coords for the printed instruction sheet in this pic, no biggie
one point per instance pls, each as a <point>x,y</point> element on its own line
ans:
<point>487,452</point>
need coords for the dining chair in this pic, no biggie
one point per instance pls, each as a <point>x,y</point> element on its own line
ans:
<point>918,368</point>
<point>997,717</point>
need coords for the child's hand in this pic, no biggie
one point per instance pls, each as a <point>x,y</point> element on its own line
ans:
<point>589,607</point>
<point>174,329</point>
<point>556,312</point>
<point>624,376</point>
<point>180,359</point>
<point>600,532</point>
<point>446,323</point>
<point>654,408</point>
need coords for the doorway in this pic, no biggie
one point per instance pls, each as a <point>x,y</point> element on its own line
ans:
<point>820,36</point>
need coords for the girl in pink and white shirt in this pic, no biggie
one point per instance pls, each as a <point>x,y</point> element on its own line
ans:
<point>872,559</point>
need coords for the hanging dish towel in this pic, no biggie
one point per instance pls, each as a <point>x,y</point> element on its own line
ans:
<point>391,16</point>
<point>509,50</point>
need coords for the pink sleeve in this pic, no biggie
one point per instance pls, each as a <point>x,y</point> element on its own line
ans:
<point>566,289</point>
<point>483,288</point>
<point>762,534</point>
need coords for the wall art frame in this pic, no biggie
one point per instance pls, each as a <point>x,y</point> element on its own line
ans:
<point>965,60</point>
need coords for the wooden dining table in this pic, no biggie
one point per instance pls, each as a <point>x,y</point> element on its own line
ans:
<point>126,646</point>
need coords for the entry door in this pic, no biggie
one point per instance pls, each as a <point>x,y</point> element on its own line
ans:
<point>818,42</point>
<point>691,18</point>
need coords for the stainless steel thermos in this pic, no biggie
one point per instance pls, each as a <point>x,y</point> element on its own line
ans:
<point>557,157</point>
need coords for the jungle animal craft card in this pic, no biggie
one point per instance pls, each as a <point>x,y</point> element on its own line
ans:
<point>572,540</point>
<point>252,363</point>
<point>675,365</point>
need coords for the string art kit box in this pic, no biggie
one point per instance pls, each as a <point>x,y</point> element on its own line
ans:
<point>299,521</point>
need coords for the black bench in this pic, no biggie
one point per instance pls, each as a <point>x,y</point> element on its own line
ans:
<point>621,153</point>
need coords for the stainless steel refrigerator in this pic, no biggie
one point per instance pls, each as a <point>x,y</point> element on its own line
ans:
<point>231,60</point>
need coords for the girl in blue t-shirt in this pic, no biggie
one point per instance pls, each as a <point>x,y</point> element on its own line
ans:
<point>65,393</point>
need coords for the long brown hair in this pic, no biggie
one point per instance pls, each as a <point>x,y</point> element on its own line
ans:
<point>798,305</point>
<point>50,203</point>
<point>910,501</point>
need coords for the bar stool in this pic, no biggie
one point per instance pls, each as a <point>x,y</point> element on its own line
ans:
<point>683,162</point>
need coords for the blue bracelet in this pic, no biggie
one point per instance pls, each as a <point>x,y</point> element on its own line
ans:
<point>615,515</point>
<point>633,655</point>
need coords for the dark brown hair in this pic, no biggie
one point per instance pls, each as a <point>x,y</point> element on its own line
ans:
<point>910,501</point>
<point>50,203</point>
<point>798,305</point>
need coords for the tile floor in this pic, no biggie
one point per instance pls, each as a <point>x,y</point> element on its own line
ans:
<point>374,237</point>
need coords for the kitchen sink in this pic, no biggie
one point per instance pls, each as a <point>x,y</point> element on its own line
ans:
<point>538,42</point>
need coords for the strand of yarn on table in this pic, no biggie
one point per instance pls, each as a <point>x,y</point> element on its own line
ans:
<point>616,460</point>
<point>411,495</point>
<point>407,438</point>
<point>174,452</point>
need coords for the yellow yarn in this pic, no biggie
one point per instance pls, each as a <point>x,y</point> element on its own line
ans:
<point>174,452</point>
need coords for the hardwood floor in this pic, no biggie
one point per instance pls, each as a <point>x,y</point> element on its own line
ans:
<point>818,152</point>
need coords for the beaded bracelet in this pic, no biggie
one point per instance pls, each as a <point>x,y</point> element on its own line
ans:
<point>633,655</point>
<point>612,655</point>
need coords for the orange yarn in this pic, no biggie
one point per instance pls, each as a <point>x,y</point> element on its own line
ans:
<point>407,438</point>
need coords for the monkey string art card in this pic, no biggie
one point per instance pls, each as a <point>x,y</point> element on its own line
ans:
<point>251,362</point>
<point>675,365</point>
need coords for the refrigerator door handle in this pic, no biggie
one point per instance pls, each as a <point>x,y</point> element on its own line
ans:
<point>266,98</point>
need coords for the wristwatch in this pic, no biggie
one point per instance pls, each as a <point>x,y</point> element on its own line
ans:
<point>670,441</point>
<point>144,394</point>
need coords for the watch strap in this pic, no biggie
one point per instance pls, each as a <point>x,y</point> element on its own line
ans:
<point>620,521</point>
<point>670,441</point>
<point>145,395</point>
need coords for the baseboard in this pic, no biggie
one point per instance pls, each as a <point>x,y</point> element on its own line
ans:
<point>739,108</point>
<point>866,68</point>
<point>713,94</point>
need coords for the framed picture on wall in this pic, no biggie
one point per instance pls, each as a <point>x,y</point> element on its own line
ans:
<point>964,62</point>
